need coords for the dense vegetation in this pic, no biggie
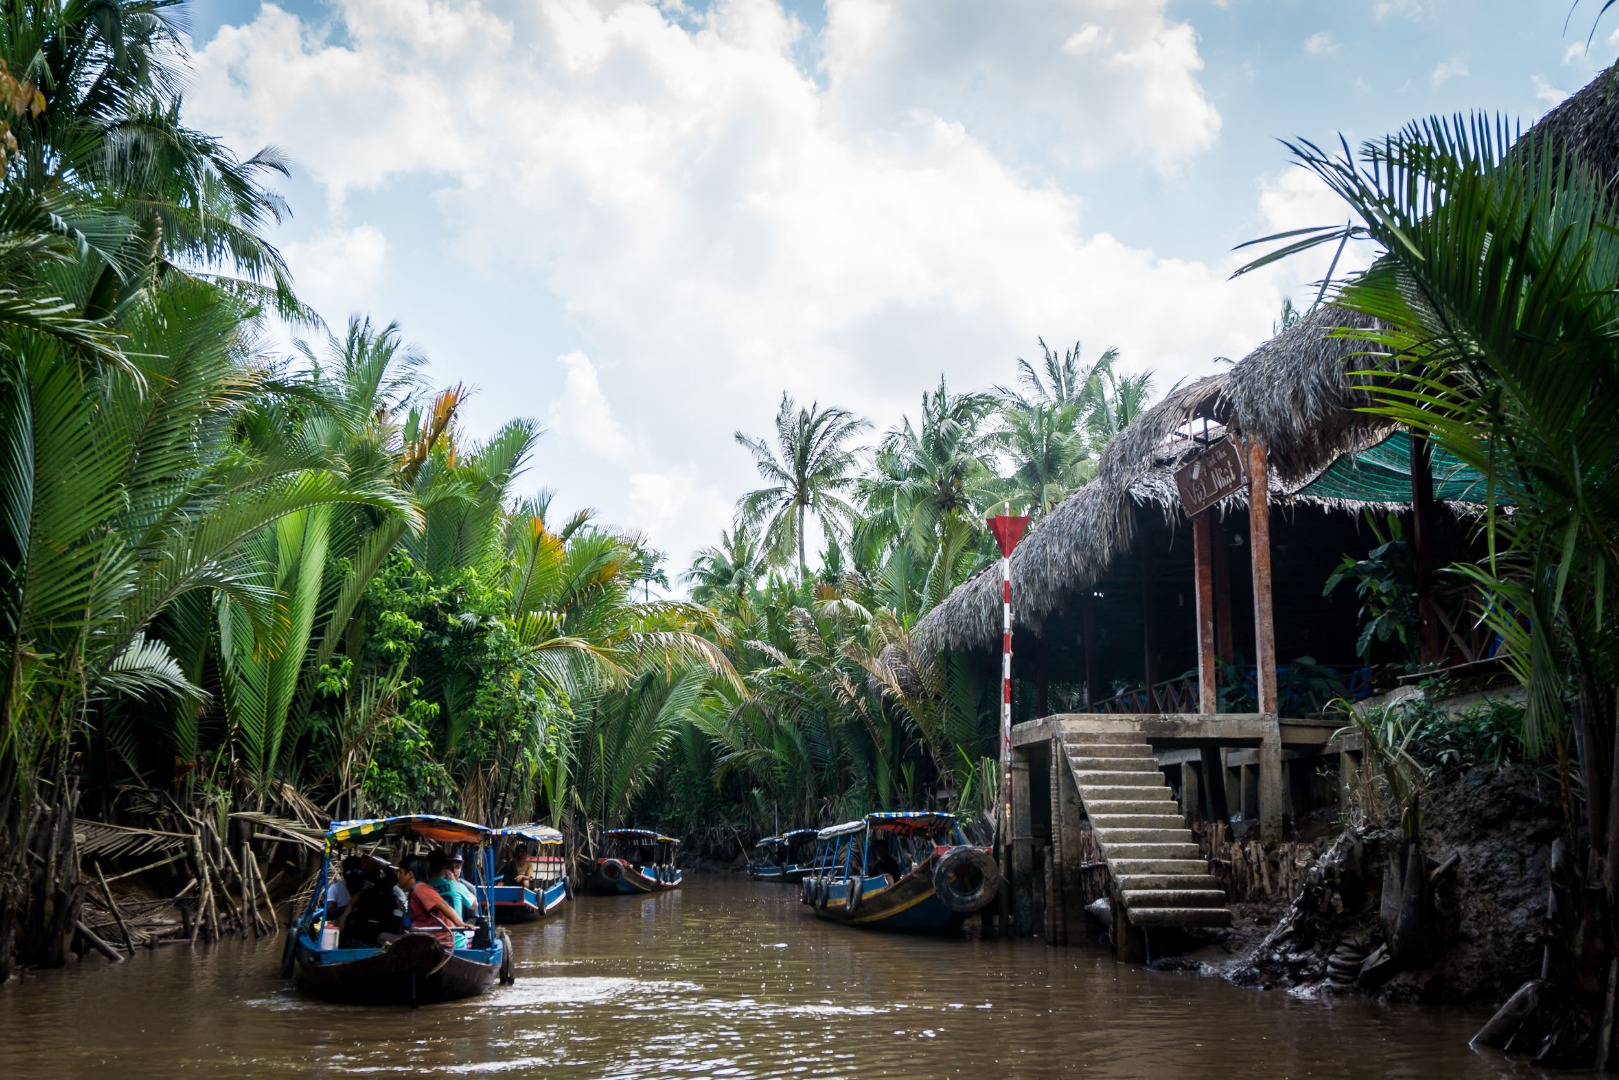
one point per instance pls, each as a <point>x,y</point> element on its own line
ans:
<point>231,580</point>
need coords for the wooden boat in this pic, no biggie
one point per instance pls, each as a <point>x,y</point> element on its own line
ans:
<point>414,968</point>
<point>635,862</point>
<point>784,858</point>
<point>905,870</point>
<point>544,885</point>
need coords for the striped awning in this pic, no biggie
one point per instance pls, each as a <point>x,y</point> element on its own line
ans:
<point>444,830</point>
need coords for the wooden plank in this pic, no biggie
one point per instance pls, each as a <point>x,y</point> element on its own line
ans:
<point>1208,691</point>
<point>1209,477</point>
<point>1259,549</point>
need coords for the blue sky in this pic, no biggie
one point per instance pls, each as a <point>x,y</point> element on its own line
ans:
<point>639,222</point>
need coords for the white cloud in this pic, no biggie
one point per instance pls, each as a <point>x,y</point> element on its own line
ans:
<point>1320,44</point>
<point>1298,199</point>
<point>340,271</point>
<point>1086,81</point>
<point>715,225</point>
<point>1545,91</point>
<point>1405,9</point>
<point>1446,70</point>
<point>582,416</point>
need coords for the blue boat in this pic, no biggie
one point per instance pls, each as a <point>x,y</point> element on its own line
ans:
<point>542,873</point>
<point>785,858</point>
<point>412,966</point>
<point>900,870</point>
<point>634,862</point>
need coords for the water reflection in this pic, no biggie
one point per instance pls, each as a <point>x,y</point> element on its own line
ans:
<point>724,978</point>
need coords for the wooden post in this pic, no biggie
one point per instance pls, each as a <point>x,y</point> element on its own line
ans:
<point>1149,639</point>
<point>1022,848</point>
<point>1087,607</point>
<point>1214,786</point>
<point>1259,547</point>
<point>1224,641</point>
<point>1208,690</point>
<point>1270,749</point>
<point>1430,643</point>
<point>1191,791</point>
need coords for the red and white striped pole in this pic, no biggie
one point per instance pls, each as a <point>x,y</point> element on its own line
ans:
<point>1007,530</point>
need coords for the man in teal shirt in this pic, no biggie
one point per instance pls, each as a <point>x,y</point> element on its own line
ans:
<point>455,894</point>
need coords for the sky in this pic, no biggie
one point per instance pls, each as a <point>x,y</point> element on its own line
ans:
<point>640,222</point>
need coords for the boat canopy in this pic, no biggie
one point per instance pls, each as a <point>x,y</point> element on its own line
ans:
<point>770,841</point>
<point>841,830</point>
<point>538,834</point>
<point>646,836</point>
<point>444,830</point>
<point>797,834</point>
<point>912,822</point>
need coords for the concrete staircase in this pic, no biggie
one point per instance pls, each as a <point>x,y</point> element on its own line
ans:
<point>1151,856</point>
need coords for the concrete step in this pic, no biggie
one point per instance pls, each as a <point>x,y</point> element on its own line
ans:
<point>1134,866</point>
<point>1211,916</point>
<point>1140,882</point>
<point>1145,804</point>
<point>1124,735</point>
<point>1135,899</point>
<point>1113,837</point>
<point>1150,850</point>
<point>1103,794</point>
<point>1112,764</point>
<point>1155,820</point>
<point>1120,749</point>
<point>1119,778</point>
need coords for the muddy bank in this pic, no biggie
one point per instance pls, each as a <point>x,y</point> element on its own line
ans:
<point>1486,838</point>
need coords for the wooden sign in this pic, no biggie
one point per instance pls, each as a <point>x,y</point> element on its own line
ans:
<point>1210,477</point>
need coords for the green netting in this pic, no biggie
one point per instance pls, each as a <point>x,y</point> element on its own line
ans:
<point>1382,473</point>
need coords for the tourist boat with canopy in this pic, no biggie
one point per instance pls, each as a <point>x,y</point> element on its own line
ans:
<point>635,861</point>
<point>410,965</point>
<point>783,858</point>
<point>900,870</point>
<point>539,873</point>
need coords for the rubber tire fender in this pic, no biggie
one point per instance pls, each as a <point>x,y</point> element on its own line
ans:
<point>289,952</point>
<point>823,893</point>
<point>953,879</point>
<point>857,890</point>
<point>804,890</point>
<point>506,975</point>
<point>611,870</point>
<point>567,886</point>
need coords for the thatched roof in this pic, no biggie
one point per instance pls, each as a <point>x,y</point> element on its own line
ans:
<point>1296,392</point>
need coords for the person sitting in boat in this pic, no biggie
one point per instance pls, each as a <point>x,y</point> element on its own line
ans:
<point>455,870</point>
<point>375,911</point>
<point>455,895</point>
<point>426,909</point>
<point>341,892</point>
<point>515,872</point>
<point>883,860</point>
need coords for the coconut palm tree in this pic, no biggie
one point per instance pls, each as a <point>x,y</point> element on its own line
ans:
<point>808,471</point>
<point>724,576</point>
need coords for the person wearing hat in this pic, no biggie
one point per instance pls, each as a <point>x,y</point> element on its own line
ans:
<point>455,869</point>
<point>444,882</point>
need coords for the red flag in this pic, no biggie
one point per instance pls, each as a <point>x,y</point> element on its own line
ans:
<point>1007,530</point>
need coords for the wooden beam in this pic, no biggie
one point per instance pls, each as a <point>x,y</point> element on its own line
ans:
<point>1259,548</point>
<point>1225,645</point>
<point>1208,690</point>
<point>1430,638</point>
<point>1149,637</point>
<point>1087,608</point>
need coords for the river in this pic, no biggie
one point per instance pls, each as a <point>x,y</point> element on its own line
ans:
<point>723,978</point>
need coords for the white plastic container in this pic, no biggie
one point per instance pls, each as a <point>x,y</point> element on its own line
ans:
<point>329,935</point>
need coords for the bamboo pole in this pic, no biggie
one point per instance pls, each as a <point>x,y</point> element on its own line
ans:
<point>269,904</point>
<point>117,916</point>
<point>96,943</point>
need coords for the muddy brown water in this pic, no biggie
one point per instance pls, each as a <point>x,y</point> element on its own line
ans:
<point>725,978</point>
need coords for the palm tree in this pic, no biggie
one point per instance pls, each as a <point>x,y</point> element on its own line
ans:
<point>1494,291</point>
<point>808,472</point>
<point>724,576</point>
<point>1060,379</point>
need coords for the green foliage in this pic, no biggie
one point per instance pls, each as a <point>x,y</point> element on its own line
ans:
<point>1385,582</point>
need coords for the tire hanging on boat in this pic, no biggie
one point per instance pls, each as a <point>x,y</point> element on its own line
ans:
<point>857,889</point>
<point>611,870</point>
<point>822,894</point>
<point>567,886</point>
<point>506,976</point>
<point>966,879</point>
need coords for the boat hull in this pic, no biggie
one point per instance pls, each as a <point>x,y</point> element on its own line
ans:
<point>514,903</point>
<point>414,969</point>
<point>632,881</point>
<point>910,904</point>
<point>779,873</point>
